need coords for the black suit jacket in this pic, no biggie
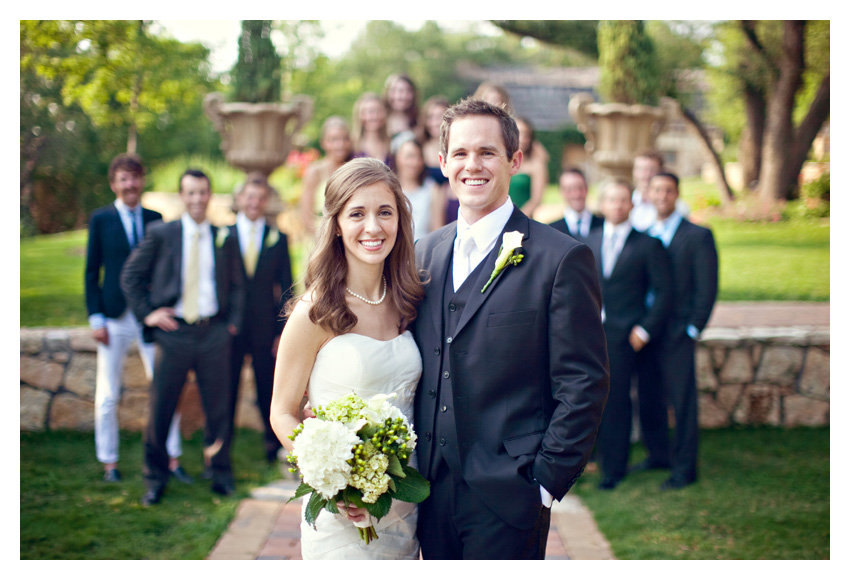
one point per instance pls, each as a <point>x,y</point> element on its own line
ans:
<point>643,266</point>
<point>529,367</point>
<point>561,225</point>
<point>108,249</point>
<point>693,258</point>
<point>269,289</point>
<point>151,277</point>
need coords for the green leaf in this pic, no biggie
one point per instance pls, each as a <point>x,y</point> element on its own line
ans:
<point>414,488</point>
<point>395,467</point>
<point>381,507</point>
<point>302,490</point>
<point>352,495</point>
<point>314,506</point>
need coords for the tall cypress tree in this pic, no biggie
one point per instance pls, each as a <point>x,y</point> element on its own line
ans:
<point>256,75</point>
<point>628,66</point>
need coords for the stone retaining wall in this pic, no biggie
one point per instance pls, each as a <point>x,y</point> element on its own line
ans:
<point>768,376</point>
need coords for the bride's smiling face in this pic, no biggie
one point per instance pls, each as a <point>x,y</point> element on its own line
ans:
<point>368,225</point>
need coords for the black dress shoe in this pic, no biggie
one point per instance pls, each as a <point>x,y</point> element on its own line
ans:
<point>608,483</point>
<point>676,483</point>
<point>180,475</point>
<point>151,497</point>
<point>112,475</point>
<point>222,488</point>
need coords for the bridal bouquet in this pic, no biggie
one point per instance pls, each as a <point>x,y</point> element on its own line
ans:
<point>356,452</point>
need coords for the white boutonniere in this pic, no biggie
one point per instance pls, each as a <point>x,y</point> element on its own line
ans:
<point>221,236</point>
<point>511,241</point>
<point>272,238</point>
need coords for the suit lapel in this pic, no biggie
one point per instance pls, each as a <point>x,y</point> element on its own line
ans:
<point>438,268</point>
<point>628,248</point>
<point>119,232</point>
<point>517,222</point>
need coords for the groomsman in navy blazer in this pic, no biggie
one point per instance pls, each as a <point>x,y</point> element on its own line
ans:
<point>693,258</point>
<point>114,230</point>
<point>183,282</point>
<point>577,221</point>
<point>267,276</point>
<point>631,265</point>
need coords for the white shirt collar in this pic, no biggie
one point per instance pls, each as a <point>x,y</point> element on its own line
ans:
<point>486,231</point>
<point>609,229</point>
<point>190,225</point>
<point>123,207</point>
<point>243,222</point>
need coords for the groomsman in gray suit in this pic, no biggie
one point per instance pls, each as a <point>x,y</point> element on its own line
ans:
<point>114,230</point>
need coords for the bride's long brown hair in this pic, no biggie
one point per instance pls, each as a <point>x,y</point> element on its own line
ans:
<point>327,268</point>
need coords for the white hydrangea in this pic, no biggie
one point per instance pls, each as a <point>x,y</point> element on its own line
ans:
<point>323,449</point>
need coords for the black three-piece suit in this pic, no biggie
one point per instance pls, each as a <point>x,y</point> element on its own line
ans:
<point>512,390</point>
<point>152,279</point>
<point>642,268</point>
<point>265,294</point>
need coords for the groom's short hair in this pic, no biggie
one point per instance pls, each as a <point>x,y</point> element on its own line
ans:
<point>472,107</point>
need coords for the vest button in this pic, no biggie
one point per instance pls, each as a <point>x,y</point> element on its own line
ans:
<point>446,374</point>
<point>443,441</point>
<point>437,351</point>
<point>452,307</point>
<point>444,408</point>
<point>428,436</point>
<point>449,340</point>
<point>432,393</point>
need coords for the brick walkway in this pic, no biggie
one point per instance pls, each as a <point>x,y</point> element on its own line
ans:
<point>266,528</point>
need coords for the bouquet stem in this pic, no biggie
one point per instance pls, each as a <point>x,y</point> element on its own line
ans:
<point>368,534</point>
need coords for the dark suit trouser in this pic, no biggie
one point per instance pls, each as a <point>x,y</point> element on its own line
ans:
<point>679,373</point>
<point>262,362</point>
<point>454,524</point>
<point>206,349</point>
<point>613,439</point>
<point>652,406</point>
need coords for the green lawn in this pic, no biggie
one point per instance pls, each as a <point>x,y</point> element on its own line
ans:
<point>763,494</point>
<point>68,512</point>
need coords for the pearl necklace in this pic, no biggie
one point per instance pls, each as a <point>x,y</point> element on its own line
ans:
<point>366,300</point>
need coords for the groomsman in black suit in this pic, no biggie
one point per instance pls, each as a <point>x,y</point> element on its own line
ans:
<point>693,258</point>
<point>184,283</point>
<point>577,221</point>
<point>114,230</point>
<point>267,276</point>
<point>631,265</point>
<point>515,370</point>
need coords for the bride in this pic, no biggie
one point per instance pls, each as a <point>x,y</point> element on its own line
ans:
<point>348,333</point>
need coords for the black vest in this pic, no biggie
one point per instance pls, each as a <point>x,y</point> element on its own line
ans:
<point>445,430</point>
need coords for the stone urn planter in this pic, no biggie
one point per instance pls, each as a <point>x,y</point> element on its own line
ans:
<point>257,137</point>
<point>615,132</point>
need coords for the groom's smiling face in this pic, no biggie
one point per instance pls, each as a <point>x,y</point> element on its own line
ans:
<point>477,165</point>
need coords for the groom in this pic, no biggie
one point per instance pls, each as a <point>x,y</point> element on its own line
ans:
<point>515,377</point>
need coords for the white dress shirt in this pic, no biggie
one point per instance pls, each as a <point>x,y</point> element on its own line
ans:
<point>244,225</point>
<point>485,232</point>
<point>207,300</point>
<point>644,214</point>
<point>572,218</point>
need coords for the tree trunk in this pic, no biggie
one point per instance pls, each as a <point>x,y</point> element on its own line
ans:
<point>778,178</point>
<point>726,194</point>
<point>752,140</point>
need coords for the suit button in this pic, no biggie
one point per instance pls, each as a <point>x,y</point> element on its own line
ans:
<point>452,307</point>
<point>437,351</point>
<point>432,393</point>
<point>444,408</point>
<point>449,340</point>
<point>443,441</point>
<point>446,374</point>
<point>428,436</point>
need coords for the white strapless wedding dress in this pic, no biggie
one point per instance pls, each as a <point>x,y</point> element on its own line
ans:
<point>366,366</point>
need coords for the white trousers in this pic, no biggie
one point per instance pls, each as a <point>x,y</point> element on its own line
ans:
<point>123,331</point>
